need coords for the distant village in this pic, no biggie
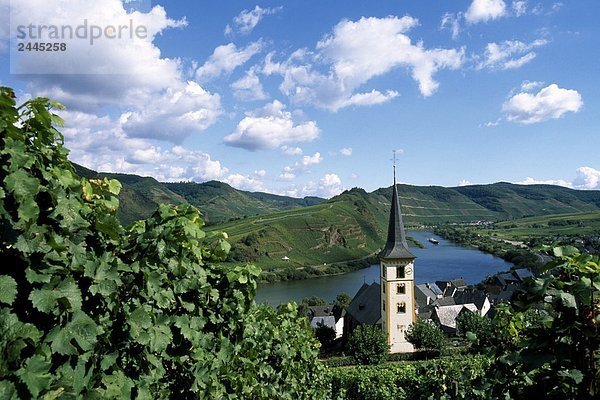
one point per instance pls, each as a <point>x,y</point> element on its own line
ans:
<point>441,302</point>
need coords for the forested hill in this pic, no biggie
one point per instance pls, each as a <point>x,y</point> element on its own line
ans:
<point>220,202</point>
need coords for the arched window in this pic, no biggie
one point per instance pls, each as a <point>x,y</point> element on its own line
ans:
<point>401,288</point>
<point>401,308</point>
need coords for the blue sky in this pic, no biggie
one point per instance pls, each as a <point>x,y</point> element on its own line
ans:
<point>310,98</point>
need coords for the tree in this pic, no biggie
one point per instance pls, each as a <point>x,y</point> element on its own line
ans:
<point>91,309</point>
<point>475,328</point>
<point>343,300</point>
<point>325,335</point>
<point>368,345</point>
<point>426,335</point>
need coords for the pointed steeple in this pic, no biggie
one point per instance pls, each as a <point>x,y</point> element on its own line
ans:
<point>396,245</point>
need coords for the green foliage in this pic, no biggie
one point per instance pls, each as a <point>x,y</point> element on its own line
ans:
<point>475,328</point>
<point>427,336</point>
<point>368,345</point>
<point>544,343</point>
<point>457,378</point>
<point>325,335</point>
<point>90,309</point>
<point>343,300</point>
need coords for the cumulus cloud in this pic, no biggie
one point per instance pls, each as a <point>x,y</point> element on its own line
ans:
<point>225,59</point>
<point>346,151</point>
<point>291,151</point>
<point>328,186</point>
<point>556,182</point>
<point>270,127</point>
<point>510,54</point>
<point>175,115</point>
<point>249,88</point>
<point>291,171</point>
<point>354,53</point>
<point>100,143</point>
<point>246,21</point>
<point>550,102</point>
<point>485,10</point>
<point>464,182</point>
<point>587,178</point>
<point>113,71</point>
<point>252,183</point>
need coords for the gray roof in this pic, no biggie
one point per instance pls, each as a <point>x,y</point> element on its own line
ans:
<point>321,311</point>
<point>523,273</point>
<point>328,321</point>
<point>444,301</point>
<point>446,315</point>
<point>365,307</point>
<point>396,246</point>
<point>477,297</point>
<point>426,291</point>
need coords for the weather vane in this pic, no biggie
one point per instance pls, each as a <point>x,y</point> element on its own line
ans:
<point>394,151</point>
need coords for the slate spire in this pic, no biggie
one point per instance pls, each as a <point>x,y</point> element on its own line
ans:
<point>396,245</point>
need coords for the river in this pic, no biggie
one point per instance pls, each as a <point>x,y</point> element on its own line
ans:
<point>434,262</point>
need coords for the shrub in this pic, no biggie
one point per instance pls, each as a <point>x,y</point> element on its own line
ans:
<point>426,335</point>
<point>368,345</point>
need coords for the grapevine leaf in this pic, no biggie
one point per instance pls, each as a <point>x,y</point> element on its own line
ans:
<point>84,330</point>
<point>8,289</point>
<point>43,299</point>
<point>35,374</point>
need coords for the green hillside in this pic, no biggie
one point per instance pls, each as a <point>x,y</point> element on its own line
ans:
<point>511,201</point>
<point>219,202</point>
<point>263,227</point>
<point>345,228</point>
<point>353,225</point>
<point>140,196</point>
<point>580,224</point>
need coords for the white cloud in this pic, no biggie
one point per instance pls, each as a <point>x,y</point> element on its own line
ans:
<point>485,10</point>
<point>101,144</point>
<point>111,72</point>
<point>531,85</point>
<point>246,21</point>
<point>354,53</point>
<point>252,183</point>
<point>464,182</point>
<point>452,22</point>
<point>290,172</point>
<point>328,186</point>
<point>510,54</point>
<point>291,151</point>
<point>587,178</point>
<point>519,8</point>
<point>225,59</point>
<point>269,128</point>
<point>556,182</point>
<point>175,115</point>
<point>249,88</point>
<point>550,102</point>
<point>346,151</point>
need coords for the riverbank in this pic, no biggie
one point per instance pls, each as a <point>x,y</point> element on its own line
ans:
<point>295,272</point>
<point>445,260</point>
<point>513,252</point>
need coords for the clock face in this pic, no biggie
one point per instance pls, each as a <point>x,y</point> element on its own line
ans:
<point>408,270</point>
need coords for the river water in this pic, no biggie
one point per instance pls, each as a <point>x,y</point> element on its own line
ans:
<point>435,262</point>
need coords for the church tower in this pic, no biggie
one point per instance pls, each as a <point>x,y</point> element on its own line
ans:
<point>397,281</point>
